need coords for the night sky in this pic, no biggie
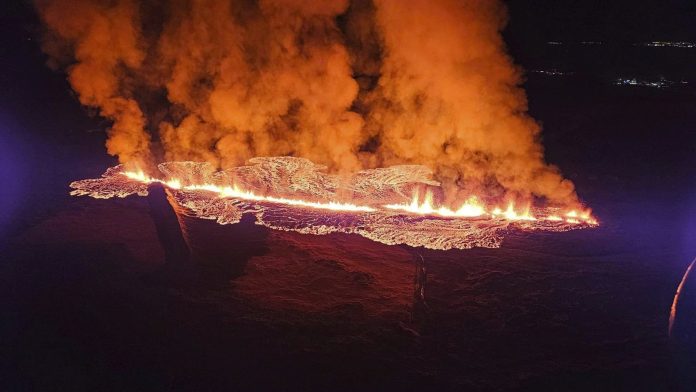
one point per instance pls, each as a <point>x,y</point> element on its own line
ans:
<point>616,21</point>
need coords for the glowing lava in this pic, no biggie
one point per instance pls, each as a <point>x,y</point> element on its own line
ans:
<point>472,208</point>
<point>294,194</point>
<point>236,193</point>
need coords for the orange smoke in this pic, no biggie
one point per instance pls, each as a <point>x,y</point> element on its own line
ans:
<point>270,78</point>
<point>348,84</point>
<point>104,41</point>
<point>448,97</point>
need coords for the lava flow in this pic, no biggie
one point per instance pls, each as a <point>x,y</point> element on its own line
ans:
<point>235,193</point>
<point>473,207</point>
<point>295,194</point>
<point>470,209</point>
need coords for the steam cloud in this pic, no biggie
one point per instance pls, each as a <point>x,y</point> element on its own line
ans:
<point>349,84</point>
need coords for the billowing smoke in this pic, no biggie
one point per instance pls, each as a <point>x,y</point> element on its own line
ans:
<point>448,97</point>
<point>259,78</point>
<point>104,42</point>
<point>349,84</point>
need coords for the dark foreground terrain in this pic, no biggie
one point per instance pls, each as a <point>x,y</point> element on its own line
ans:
<point>101,295</point>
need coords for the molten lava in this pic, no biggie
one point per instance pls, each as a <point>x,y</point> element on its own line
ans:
<point>295,194</point>
<point>470,209</point>
<point>235,193</point>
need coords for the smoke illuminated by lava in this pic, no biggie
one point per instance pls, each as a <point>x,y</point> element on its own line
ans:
<point>348,84</point>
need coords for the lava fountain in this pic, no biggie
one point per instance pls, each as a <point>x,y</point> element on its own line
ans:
<point>394,205</point>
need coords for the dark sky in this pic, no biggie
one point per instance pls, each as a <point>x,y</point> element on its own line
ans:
<point>618,24</point>
<point>602,20</point>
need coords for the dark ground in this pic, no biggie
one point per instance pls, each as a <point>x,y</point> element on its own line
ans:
<point>90,302</point>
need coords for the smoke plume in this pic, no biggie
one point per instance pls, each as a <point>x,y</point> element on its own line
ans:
<point>104,42</point>
<point>348,84</point>
<point>448,96</point>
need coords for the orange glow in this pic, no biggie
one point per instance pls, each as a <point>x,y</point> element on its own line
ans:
<point>511,214</point>
<point>582,216</point>
<point>138,176</point>
<point>675,301</point>
<point>471,208</point>
<point>236,193</point>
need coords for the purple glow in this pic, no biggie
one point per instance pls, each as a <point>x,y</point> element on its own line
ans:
<point>12,170</point>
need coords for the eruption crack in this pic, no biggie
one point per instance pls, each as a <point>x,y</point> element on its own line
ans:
<point>295,194</point>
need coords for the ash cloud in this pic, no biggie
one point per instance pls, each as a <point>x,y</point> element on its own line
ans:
<point>348,84</point>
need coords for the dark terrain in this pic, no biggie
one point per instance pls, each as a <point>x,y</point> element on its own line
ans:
<point>96,295</point>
